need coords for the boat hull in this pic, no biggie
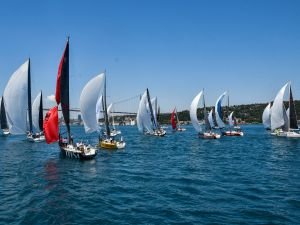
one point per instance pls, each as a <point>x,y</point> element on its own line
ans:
<point>233,133</point>
<point>108,144</point>
<point>292,134</point>
<point>210,135</point>
<point>38,138</point>
<point>80,152</point>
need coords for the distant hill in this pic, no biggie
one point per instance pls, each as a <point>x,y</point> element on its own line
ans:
<point>250,113</point>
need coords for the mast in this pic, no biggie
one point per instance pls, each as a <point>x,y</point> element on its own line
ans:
<point>29,98</point>
<point>292,123</point>
<point>105,109</point>
<point>41,113</point>
<point>3,119</point>
<point>151,110</point>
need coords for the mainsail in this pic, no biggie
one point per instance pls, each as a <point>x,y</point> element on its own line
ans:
<point>3,119</point>
<point>153,118</point>
<point>105,110</point>
<point>88,101</point>
<point>207,124</point>
<point>62,88</point>
<point>293,124</point>
<point>16,95</point>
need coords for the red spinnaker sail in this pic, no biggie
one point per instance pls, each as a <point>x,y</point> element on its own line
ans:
<point>51,125</point>
<point>173,119</point>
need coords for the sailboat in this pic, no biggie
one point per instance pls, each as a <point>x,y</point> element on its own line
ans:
<point>3,118</point>
<point>206,133</point>
<point>67,147</point>
<point>107,141</point>
<point>17,95</point>
<point>113,131</point>
<point>175,121</point>
<point>37,119</point>
<point>146,119</point>
<point>234,130</point>
<point>266,117</point>
<point>283,124</point>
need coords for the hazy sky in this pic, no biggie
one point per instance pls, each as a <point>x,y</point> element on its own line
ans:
<point>175,48</point>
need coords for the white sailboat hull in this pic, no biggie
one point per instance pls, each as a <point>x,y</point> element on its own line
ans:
<point>292,134</point>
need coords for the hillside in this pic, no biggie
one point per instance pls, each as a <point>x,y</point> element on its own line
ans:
<point>250,113</point>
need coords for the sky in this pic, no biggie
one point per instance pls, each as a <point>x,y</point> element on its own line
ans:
<point>173,47</point>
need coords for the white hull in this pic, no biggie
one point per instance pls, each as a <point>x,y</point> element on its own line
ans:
<point>210,135</point>
<point>80,151</point>
<point>36,139</point>
<point>233,133</point>
<point>279,133</point>
<point>292,134</point>
<point>5,132</point>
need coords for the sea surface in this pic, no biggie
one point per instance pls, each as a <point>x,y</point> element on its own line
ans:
<point>176,179</point>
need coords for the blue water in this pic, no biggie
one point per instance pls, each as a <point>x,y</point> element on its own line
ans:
<point>177,179</point>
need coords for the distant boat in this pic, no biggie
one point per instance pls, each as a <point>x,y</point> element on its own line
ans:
<point>266,117</point>
<point>37,119</point>
<point>234,129</point>
<point>17,95</point>
<point>282,124</point>
<point>113,131</point>
<point>205,132</point>
<point>146,119</point>
<point>175,121</point>
<point>3,118</point>
<point>67,147</point>
<point>107,141</point>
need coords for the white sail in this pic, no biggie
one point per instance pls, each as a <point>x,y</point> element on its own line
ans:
<point>99,108</point>
<point>288,113</point>
<point>266,116</point>
<point>155,108</point>
<point>36,112</point>
<point>211,119</point>
<point>88,101</point>
<point>143,116</point>
<point>109,110</point>
<point>193,112</point>
<point>16,100</point>
<point>230,120</point>
<point>278,112</point>
<point>218,111</point>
